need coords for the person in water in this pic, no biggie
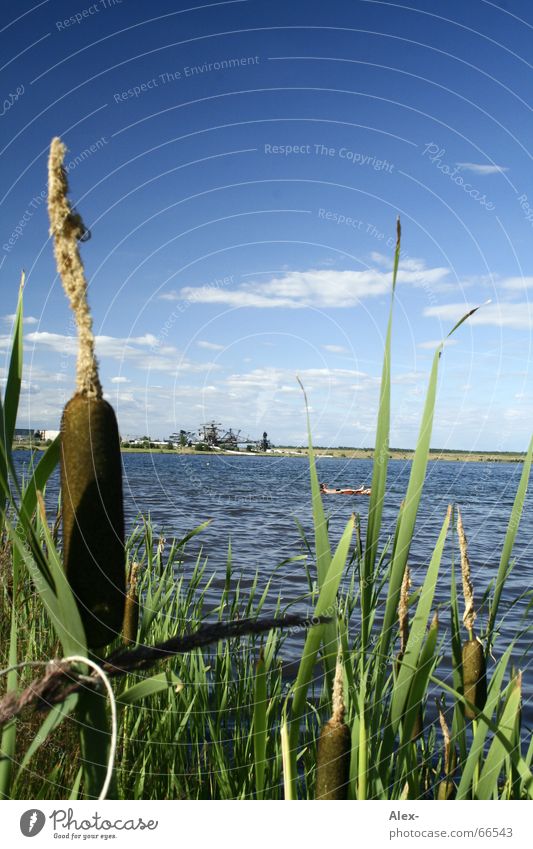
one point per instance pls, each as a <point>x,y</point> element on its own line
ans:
<point>361,490</point>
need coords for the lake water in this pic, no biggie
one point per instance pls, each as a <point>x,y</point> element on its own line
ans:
<point>255,500</point>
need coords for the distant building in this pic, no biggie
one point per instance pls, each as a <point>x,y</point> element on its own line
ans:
<point>46,435</point>
<point>24,434</point>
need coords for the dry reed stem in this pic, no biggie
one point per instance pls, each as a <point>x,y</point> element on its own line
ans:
<point>66,229</point>
<point>469,616</point>
<point>447,739</point>
<point>131,606</point>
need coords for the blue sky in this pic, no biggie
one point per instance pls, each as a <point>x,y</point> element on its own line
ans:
<point>241,166</point>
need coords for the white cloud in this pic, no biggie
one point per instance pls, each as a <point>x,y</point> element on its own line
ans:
<point>172,295</point>
<point>320,288</point>
<point>409,378</point>
<point>381,259</point>
<point>125,398</point>
<point>284,379</point>
<point>144,352</point>
<point>210,346</point>
<point>406,263</point>
<point>517,316</point>
<point>26,387</point>
<point>29,319</point>
<point>120,379</point>
<point>517,283</point>
<point>481,170</point>
<point>56,341</point>
<point>335,349</point>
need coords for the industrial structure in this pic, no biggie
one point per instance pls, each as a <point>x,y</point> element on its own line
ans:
<point>215,436</point>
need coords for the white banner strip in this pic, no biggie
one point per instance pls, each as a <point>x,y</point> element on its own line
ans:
<point>353,824</point>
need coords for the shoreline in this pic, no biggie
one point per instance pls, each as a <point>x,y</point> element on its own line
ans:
<point>328,453</point>
<point>348,454</point>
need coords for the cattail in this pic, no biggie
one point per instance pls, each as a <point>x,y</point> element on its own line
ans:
<point>446,789</point>
<point>474,677</point>
<point>91,472</point>
<point>403,619</point>
<point>131,608</point>
<point>473,654</point>
<point>403,611</point>
<point>334,748</point>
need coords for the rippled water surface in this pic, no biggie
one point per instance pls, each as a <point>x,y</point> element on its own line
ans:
<point>255,500</point>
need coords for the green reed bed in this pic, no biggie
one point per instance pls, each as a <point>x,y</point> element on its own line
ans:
<point>191,711</point>
<point>217,709</point>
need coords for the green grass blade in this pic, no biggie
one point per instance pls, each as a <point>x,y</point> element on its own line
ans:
<point>409,512</point>
<point>289,779</point>
<point>322,546</point>
<point>409,665</point>
<point>9,733</point>
<point>458,722</point>
<point>149,687</point>
<point>517,760</point>
<point>37,483</point>
<point>68,624</point>
<point>54,719</point>
<point>412,499</point>
<point>497,753</point>
<point>95,737</point>
<point>39,479</point>
<point>8,418</point>
<point>476,749</point>
<point>362,743</point>
<point>43,584</point>
<point>325,606</point>
<point>419,685</point>
<point>381,459</point>
<point>260,725</point>
<point>14,377</point>
<point>8,415</point>
<point>4,482</point>
<point>74,793</point>
<point>55,594</point>
<point>181,543</point>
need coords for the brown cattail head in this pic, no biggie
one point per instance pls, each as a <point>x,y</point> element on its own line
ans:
<point>91,472</point>
<point>474,677</point>
<point>131,609</point>
<point>333,761</point>
<point>334,748</point>
<point>93,520</point>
